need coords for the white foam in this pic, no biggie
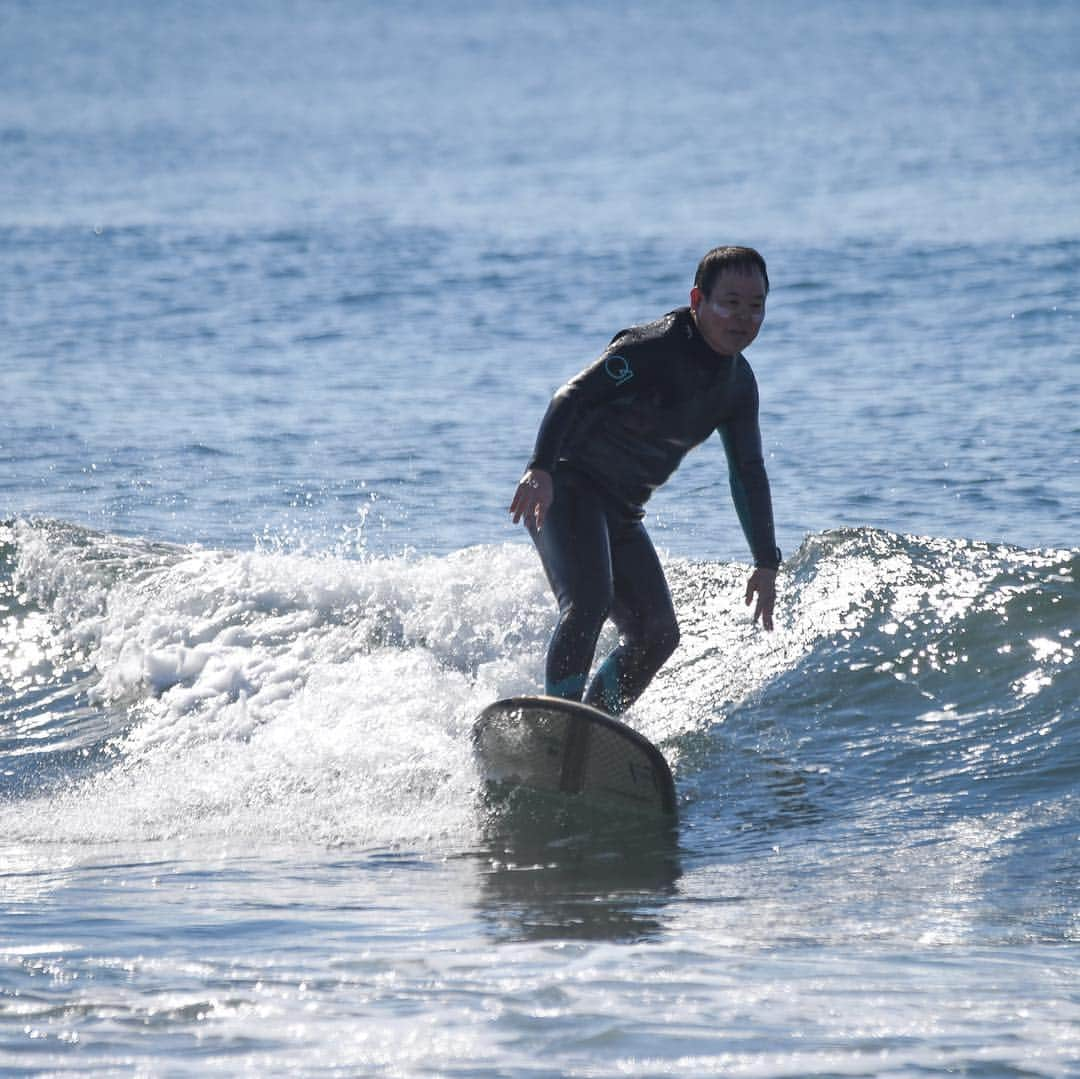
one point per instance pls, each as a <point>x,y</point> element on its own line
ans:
<point>286,696</point>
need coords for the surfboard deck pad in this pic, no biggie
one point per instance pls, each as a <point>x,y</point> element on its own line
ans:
<point>554,745</point>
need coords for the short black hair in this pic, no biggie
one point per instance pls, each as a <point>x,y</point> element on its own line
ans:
<point>719,259</point>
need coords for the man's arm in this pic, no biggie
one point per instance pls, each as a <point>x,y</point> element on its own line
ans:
<point>750,482</point>
<point>598,382</point>
<point>753,503</point>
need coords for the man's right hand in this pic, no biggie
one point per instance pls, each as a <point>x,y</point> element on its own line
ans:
<point>532,499</point>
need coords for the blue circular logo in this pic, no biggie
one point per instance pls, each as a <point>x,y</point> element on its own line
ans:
<point>618,368</point>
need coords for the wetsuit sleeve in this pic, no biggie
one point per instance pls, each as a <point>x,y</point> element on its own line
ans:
<point>599,382</point>
<point>749,482</point>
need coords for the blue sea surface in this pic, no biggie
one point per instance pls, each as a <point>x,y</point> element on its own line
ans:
<point>287,288</point>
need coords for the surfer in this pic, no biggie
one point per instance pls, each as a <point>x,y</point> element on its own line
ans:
<point>610,437</point>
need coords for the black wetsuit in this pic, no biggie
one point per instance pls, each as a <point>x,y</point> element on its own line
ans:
<point>610,437</point>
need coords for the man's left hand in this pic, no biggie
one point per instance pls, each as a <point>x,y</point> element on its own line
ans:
<point>762,583</point>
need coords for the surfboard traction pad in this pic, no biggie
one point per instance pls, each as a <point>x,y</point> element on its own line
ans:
<point>551,744</point>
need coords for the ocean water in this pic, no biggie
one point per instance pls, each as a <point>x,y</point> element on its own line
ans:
<point>287,289</point>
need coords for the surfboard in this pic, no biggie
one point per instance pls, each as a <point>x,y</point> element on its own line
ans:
<point>553,745</point>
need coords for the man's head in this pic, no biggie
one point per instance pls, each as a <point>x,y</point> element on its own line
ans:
<point>728,298</point>
<point>721,259</point>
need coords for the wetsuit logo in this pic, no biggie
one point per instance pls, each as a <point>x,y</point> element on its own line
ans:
<point>618,368</point>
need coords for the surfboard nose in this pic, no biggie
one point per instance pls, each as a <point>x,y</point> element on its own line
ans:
<point>552,744</point>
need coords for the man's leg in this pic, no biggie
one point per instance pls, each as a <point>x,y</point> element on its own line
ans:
<point>575,549</point>
<point>648,630</point>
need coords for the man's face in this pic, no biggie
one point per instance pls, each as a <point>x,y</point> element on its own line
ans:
<point>731,315</point>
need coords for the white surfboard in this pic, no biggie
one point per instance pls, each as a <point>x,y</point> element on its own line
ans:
<point>554,745</point>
